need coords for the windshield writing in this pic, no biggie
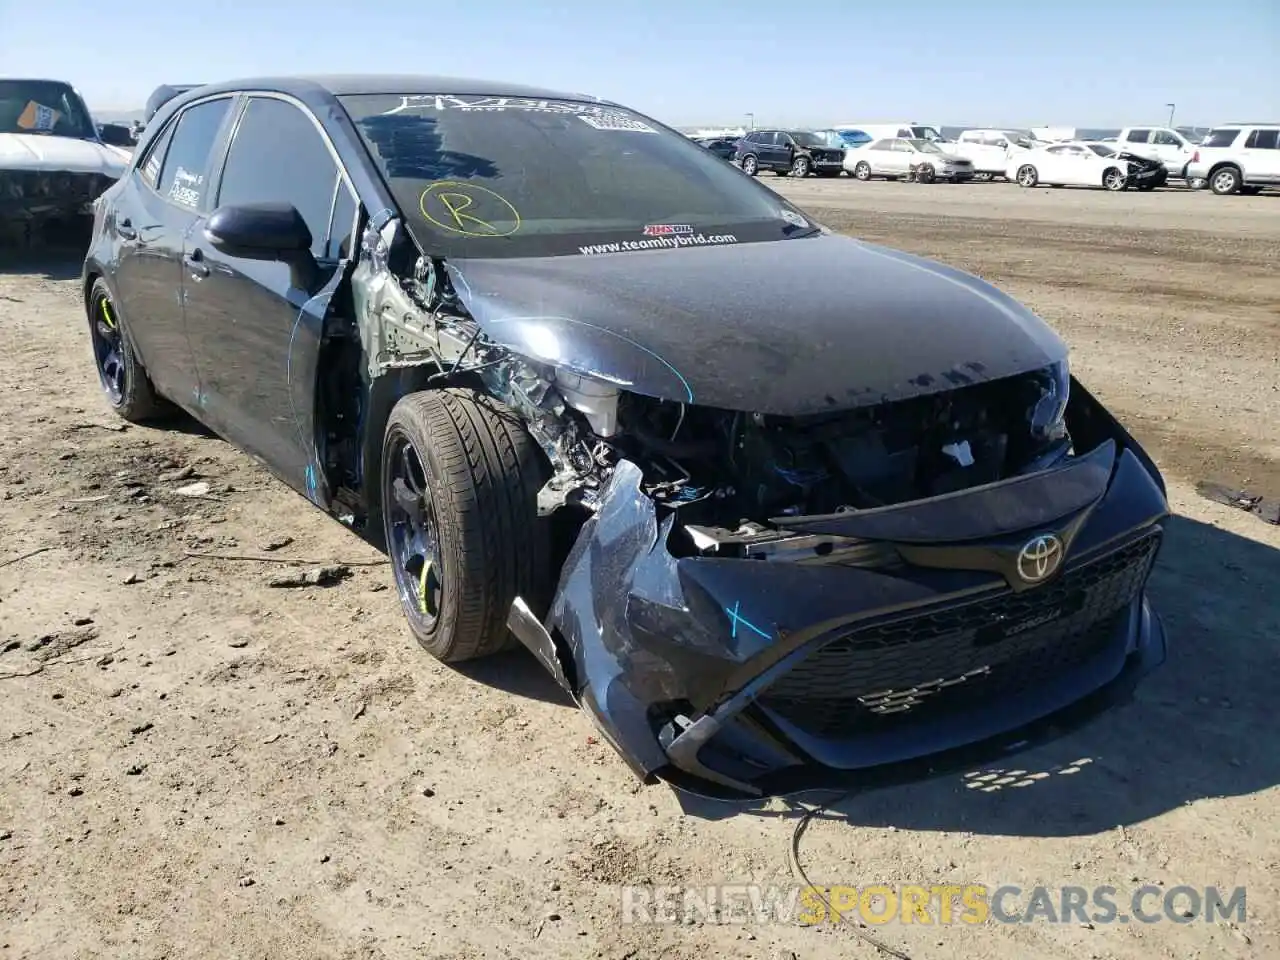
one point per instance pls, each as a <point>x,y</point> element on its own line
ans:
<point>526,177</point>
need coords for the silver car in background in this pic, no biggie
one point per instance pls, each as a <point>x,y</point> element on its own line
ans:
<point>895,157</point>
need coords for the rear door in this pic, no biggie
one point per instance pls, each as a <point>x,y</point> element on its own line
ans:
<point>1168,148</point>
<point>898,157</point>
<point>1137,140</point>
<point>1260,157</point>
<point>1055,165</point>
<point>255,325</point>
<point>159,205</point>
<point>768,144</point>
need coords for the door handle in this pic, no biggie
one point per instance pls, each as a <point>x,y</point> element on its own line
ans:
<point>194,261</point>
<point>125,229</point>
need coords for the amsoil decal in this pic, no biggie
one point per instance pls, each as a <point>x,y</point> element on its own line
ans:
<point>667,229</point>
<point>616,122</point>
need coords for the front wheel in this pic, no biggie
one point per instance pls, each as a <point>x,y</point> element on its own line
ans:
<point>862,170</point>
<point>1028,176</point>
<point>1115,179</point>
<point>460,481</point>
<point>800,167</point>
<point>124,380</point>
<point>750,166</point>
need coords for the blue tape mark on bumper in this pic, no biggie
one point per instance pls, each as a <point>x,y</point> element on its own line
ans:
<point>736,618</point>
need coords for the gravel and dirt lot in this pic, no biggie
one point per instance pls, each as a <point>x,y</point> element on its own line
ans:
<point>198,762</point>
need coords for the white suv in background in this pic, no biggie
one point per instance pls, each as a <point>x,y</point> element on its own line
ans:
<point>1238,158</point>
<point>1159,143</point>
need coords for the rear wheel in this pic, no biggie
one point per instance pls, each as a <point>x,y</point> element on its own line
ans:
<point>862,170</point>
<point>1225,181</point>
<point>1028,176</point>
<point>124,380</point>
<point>460,480</point>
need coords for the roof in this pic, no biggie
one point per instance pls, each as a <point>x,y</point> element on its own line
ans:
<point>369,83</point>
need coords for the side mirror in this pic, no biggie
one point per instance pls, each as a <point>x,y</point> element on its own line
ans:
<point>259,231</point>
<point>265,231</point>
<point>116,135</point>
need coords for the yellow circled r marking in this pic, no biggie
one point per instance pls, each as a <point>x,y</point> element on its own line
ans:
<point>457,198</point>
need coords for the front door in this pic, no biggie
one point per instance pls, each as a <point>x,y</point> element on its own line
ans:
<point>255,324</point>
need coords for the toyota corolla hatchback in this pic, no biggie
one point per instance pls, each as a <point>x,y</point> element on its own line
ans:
<point>774,505</point>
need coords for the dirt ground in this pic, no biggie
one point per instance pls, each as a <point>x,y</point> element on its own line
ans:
<point>195,763</point>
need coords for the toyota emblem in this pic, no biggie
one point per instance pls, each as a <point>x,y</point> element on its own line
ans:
<point>1040,558</point>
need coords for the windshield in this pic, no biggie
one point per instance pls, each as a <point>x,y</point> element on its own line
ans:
<point>807,139</point>
<point>43,107</point>
<point>1101,150</point>
<point>519,177</point>
<point>925,146</point>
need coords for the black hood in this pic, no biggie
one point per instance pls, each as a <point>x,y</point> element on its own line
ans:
<point>786,327</point>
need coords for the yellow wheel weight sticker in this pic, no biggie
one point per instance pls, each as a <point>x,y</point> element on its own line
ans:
<point>457,199</point>
<point>422,590</point>
<point>106,314</point>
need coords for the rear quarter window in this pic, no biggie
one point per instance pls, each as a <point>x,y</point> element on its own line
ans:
<point>1220,138</point>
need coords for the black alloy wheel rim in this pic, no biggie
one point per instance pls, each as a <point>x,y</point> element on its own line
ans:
<point>414,539</point>
<point>108,350</point>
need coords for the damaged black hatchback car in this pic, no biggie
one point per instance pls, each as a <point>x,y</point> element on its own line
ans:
<point>774,505</point>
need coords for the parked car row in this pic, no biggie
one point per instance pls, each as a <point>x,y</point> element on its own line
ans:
<point>1233,158</point>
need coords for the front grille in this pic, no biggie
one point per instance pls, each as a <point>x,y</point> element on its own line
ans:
<point>943,660</point>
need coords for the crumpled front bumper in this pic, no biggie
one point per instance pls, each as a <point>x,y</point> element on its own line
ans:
<point>747,677</point>
<point>49,194</point>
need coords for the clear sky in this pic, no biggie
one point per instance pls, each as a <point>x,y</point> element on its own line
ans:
<point>1088,63</point>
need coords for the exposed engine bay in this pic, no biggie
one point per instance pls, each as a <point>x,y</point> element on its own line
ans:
<point>725,472</point>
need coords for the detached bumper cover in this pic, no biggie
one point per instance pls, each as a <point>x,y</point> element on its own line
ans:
<point>748,677</point>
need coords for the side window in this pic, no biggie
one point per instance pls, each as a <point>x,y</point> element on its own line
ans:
<point>278,155</point>
<point>1058,150</point>
<point>1263,139</point>
<point>1138,136</point>
<point>1165,139</point>
<point>184,174</point>
<point>150,168</point>
<point>340,225</point>
<point>773,139</point>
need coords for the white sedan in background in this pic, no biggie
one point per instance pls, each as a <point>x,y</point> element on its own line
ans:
<point>1084,163</point>
<point>894,157</point>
